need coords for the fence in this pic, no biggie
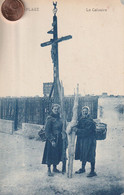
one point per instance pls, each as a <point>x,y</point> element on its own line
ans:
<point>35,109</point>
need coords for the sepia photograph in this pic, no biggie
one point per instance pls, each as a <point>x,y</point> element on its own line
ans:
<point>62,97</point>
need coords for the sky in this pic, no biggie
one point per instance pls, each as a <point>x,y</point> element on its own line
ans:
<point>93,58</point>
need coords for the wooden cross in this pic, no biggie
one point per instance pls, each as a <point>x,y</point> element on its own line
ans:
<point>54,55</point>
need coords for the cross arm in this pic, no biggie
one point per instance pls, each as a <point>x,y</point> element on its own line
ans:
<point>47,43</point>
<point>63,38</point>
<point>52,41</point>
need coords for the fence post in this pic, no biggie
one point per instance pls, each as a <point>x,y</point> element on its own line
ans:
<point>16,115</point>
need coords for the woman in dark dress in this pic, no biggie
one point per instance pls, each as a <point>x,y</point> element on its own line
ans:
<point>86,142</point>
<point>53,146</point>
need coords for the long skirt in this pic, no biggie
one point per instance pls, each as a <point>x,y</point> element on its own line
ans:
<point>85,149</point>
<point>52,155</point>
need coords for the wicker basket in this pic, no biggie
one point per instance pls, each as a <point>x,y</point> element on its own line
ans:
<point>41,134</point>
<point>101,131</point>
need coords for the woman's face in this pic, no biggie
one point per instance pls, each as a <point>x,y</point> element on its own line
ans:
<point>56,110</point>
<point>84,112</point>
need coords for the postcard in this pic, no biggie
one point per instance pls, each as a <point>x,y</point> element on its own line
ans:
<point>47,49</point>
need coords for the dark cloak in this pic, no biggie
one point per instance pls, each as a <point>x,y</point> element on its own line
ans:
<point>86,140</point>
<point>53,132</point>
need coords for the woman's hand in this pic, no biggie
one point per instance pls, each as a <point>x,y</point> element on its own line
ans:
<point>64,134</point>
<point>73,129</point>
<point>53,143</point>
<point>73,124</point>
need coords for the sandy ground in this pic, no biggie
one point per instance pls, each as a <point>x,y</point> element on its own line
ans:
<point>21,171</point>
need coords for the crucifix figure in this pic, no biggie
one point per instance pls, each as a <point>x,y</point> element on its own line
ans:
<point>54,55</point>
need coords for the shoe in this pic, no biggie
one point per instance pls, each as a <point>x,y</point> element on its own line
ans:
<point>55,170</point>
<point>63,172</point>
<point>92,174</point>
<point>50,174</point>
<point>80,171</point>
